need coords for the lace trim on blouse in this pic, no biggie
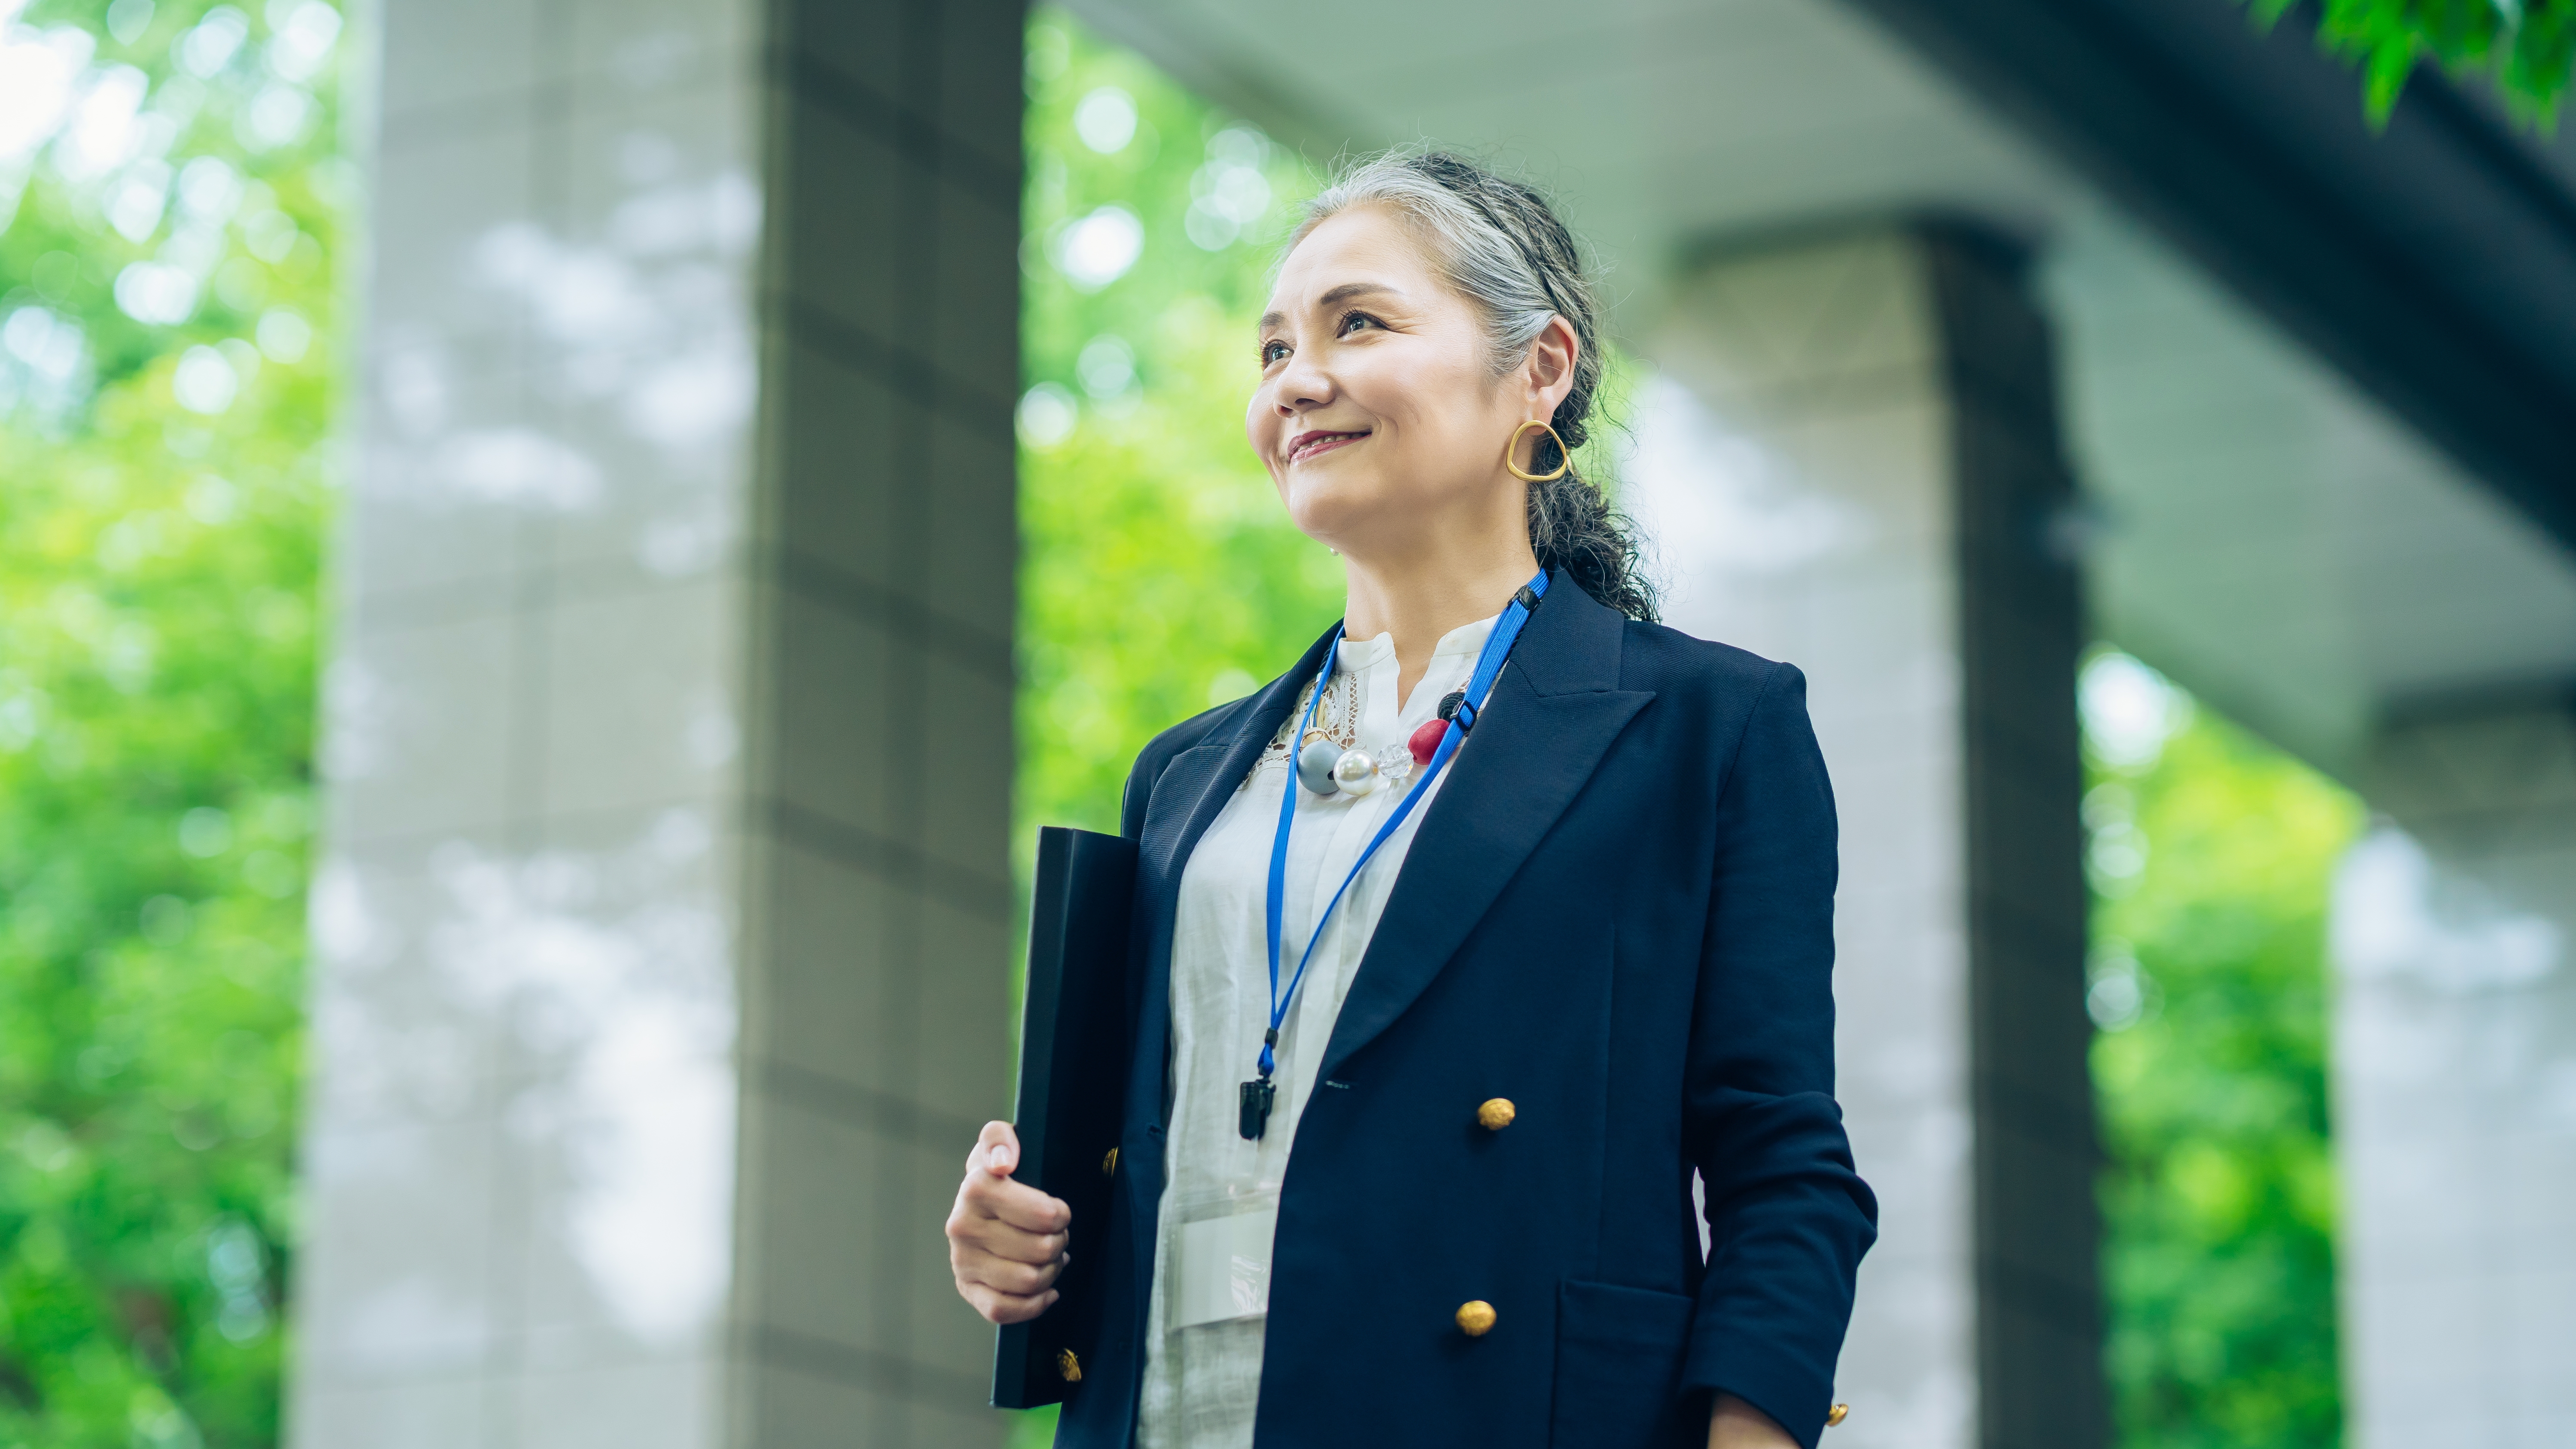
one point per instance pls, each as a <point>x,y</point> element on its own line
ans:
<point>1336,720</point>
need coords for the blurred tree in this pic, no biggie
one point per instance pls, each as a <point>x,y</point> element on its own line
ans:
<point>2211,855</point>
<point>1160,574</point>
<point>169,195</point>
<point>2528,46</point>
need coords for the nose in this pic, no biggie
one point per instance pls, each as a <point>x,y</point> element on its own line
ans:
<point>1303,387</point>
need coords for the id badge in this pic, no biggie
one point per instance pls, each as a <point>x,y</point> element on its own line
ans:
<point>1224,1258</point>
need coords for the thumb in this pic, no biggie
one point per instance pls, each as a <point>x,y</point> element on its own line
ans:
<point>1001,1149</point>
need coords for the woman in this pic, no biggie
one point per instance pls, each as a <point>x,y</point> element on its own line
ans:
<point>1503,956</point>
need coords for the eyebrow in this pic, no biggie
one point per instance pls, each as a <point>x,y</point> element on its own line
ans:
<point>1343,293</point>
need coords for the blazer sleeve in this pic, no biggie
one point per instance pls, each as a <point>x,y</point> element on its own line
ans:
<point>1136,797</point>
<point>1788,1216</point>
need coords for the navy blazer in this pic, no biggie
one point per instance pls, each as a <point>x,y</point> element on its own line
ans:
<point>1619,915</point>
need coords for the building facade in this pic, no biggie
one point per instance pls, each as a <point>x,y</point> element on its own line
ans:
<point>663,945</point>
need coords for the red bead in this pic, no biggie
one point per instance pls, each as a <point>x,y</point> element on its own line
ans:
<point>1426,740</point>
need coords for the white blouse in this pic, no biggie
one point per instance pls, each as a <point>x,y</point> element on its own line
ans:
<point>1202,1382</point>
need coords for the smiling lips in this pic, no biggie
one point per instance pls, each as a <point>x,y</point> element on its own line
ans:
<point>1318,442</point>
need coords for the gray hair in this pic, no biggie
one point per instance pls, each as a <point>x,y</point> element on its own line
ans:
<point>1501,246</point>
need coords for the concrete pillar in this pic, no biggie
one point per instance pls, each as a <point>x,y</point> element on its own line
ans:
<point>2455,1081</point>
<point>1850,460</point>
<point>661,955</point>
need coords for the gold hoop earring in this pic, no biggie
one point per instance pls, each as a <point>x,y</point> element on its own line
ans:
<point>1511,455</point>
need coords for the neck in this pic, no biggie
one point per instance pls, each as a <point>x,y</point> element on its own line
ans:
<point>1421,597</point>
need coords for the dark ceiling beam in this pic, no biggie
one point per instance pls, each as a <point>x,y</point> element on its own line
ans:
<point>2434,264</point>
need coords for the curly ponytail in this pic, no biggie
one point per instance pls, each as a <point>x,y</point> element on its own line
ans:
<point>1501,245</point>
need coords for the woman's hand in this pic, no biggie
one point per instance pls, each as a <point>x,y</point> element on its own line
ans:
<point>1005,1239</point>
<point>1735,1424</point>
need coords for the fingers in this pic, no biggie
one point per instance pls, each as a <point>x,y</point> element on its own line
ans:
<point>989,1192</point>
<point>1006,1240</point>
<point>1009,1276</point>
<point>1009,1220</point>
<point>1014,1204</point>
<point>1001,1240</point>
<point>1036,1249</point>
<point>1003,1308</point>
<point>1004,1290</point>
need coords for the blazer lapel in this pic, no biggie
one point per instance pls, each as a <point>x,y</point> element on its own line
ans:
<point>1196,784</point>
<point>1553,713</point>
<point>1186,799</point>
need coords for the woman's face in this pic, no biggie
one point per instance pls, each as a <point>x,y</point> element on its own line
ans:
<point>1378,414</point>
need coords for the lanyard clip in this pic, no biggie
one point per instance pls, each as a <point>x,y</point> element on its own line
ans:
<point>1253,1110</point>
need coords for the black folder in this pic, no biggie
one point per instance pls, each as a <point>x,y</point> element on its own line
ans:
<point>1073,1079</point>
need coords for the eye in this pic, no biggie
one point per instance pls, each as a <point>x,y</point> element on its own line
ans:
<point>1272,351</point>
<point>1354,321</point>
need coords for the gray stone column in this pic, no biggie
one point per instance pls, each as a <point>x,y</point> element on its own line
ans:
<point>661,953</point>
<point>1850,460</point>
<point>2455,1081</point>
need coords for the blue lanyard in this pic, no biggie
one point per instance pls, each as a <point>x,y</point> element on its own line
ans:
<point>1489,664</point>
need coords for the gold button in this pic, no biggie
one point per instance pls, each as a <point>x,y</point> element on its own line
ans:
<point>1068,1365</point>
<point>1495,1115</point>
<point>1109,1164</point>
<point>1837,1414</point>
<point>1475,1318</point>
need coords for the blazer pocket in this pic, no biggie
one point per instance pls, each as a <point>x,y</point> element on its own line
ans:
<point>1618,1368</point>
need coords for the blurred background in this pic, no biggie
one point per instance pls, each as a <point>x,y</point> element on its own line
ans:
<point>554,554</point>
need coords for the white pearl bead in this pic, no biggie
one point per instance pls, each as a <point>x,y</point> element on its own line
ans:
<point>1356,772</point>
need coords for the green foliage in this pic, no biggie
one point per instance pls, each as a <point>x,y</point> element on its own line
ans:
<point>2212,864</point>
<point>158,567</point>
<point>1160,573</point>
<point>2528,46</point>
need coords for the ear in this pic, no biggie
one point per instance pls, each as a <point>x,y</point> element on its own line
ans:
<point>1548,373</point>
